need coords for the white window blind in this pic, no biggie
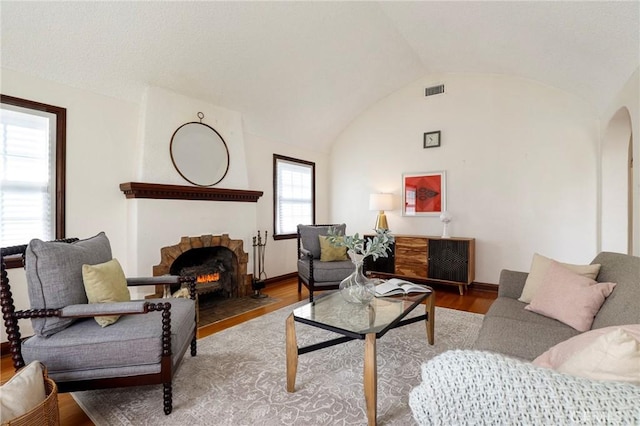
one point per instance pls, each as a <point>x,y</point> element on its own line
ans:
<point>27,175</point>
<point>294,195</point>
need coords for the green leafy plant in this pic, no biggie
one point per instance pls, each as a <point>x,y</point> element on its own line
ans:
<point>377,246</point>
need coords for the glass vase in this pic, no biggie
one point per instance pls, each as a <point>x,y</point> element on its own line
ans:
<point>357,288</point>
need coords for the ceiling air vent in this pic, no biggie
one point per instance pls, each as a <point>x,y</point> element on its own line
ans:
<point>434,90</point>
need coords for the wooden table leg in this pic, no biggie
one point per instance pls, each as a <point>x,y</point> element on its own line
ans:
<point>430,310</point>
<point>292,353</point>
<point>370,378</point>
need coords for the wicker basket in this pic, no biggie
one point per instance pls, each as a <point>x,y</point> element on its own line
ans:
<point>44,414</point>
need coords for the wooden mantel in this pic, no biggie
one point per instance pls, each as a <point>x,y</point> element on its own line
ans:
<point>159,191</point>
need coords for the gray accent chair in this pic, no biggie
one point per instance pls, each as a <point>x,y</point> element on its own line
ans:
<point>144,347</point>
<point>312,272</point>
<point>510,329</point>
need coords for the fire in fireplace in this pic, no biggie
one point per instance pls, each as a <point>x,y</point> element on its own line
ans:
<point>213,267</point>
<point>208,278</point>
<point>217,262</point>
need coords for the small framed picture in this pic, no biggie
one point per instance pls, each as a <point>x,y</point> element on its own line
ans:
<point>424,194</point>
<point>431,139</point>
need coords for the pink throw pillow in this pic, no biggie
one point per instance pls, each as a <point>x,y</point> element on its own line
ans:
<point>570,298</point>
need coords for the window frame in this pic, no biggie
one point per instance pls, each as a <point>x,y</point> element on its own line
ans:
<point>312,165</point>
<point>61,149</point>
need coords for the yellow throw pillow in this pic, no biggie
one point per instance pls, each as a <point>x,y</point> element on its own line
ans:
<point>329,252</point>
<point>105,283</point>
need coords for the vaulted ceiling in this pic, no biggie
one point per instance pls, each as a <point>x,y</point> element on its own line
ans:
<point>299,72</point>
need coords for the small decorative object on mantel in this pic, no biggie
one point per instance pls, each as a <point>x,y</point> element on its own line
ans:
<point>357,288</point>
<point>445,218</point>
<point>431,139</point>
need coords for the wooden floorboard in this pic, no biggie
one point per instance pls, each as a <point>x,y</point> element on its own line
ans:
<point>475,300</point>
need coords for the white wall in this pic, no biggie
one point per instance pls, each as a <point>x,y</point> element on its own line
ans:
<point>628,97</point>
<point>280,255</point>
<point>520,157</point>
<point>110,141</point>
<point>159,223</point>
<point>614,186</point>
<point>101,137</point>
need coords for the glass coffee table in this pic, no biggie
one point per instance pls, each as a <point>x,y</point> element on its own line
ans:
<point>365,322</point>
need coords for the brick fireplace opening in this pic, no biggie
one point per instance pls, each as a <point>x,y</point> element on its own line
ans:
<point>218,262</point>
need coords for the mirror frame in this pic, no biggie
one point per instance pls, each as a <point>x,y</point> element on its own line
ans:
<point>224,144</point>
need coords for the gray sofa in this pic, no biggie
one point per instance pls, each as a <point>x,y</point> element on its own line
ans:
<point>511,330</point>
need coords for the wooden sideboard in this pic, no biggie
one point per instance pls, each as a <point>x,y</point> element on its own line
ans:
<point>449,261</point>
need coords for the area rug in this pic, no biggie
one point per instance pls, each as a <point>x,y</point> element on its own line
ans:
<point>215,307</point>
<point>239,377</point>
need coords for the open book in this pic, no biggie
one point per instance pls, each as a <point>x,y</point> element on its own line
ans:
<point>398,286</point>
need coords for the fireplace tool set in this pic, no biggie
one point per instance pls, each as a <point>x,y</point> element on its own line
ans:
<point>258,262</point>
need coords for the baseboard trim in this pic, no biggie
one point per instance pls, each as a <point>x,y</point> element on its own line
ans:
<point>280,278</point>
<point>484,286</point>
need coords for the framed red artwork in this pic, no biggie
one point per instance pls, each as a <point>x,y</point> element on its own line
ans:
<point>424,194</point>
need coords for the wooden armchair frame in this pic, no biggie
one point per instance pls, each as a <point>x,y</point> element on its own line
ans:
<point>164,376</point>
<point>304,254</point>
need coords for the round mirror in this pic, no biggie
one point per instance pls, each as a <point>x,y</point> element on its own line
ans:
<point>199,153</point>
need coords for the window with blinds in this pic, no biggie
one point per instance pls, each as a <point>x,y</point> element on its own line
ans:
<point>294,195</point>
<point>29,171</point>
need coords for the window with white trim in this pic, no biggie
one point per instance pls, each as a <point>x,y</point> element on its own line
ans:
<point>293,195</point>
<point>32,150</point>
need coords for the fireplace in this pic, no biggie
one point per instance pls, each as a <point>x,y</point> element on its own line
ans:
<point>218,263</point>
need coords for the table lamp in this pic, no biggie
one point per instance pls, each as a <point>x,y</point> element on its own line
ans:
<point>381,202</point>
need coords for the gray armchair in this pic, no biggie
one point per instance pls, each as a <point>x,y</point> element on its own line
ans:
<point>143,346</point>
<point>312,271</point>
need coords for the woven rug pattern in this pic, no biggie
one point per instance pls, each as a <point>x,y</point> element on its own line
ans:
<point>239,377</point>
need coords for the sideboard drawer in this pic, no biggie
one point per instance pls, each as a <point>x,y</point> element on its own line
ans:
<point>411,256</point>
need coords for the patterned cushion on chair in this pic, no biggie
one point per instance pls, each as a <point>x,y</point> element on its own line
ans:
<point>54,276</point>
<point>309,236</point>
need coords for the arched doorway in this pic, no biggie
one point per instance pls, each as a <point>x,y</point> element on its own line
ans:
<point>616,209</point>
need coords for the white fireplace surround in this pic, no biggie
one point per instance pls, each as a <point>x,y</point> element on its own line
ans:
<point>156,223</point>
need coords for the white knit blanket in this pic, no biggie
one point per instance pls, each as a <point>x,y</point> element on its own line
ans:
<point>483,388</point>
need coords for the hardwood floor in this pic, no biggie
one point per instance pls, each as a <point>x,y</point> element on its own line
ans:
<point>474,300</point>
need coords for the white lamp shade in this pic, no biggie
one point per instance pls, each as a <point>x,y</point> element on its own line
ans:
<point>381,202</point>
